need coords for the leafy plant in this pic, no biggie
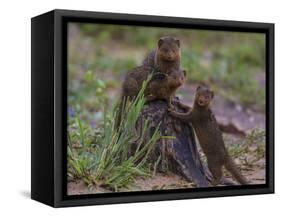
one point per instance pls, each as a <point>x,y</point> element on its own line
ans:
<point>253,145</point>
<point>109,163</point>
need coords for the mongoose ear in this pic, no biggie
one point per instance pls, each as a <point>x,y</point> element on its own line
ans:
<point>178,42</point>
<point>198,88</point>
<point>160,42</point>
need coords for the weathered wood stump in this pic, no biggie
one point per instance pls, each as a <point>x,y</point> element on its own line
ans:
<point>179,154</point>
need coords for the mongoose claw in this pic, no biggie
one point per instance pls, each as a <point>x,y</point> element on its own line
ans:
<point>170,109</point>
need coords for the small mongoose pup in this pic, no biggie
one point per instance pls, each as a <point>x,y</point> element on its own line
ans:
<point>166,56</point>
<point>164,85</point>
<point>209,135</point>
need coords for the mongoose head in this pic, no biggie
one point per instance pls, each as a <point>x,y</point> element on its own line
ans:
<point>178,77</point>
<point>170,81</point>
<point>168,49</point>
<point>203,96</point>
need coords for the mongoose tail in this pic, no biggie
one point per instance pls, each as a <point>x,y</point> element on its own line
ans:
<point>232,168</point>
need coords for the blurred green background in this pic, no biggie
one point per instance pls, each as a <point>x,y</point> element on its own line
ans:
<point>100,55</point>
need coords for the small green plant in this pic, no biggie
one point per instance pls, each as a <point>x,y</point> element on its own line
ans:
<point>249,149</point>
<point>109,163</point>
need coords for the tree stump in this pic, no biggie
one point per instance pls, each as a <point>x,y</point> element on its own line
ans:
<point>179,154</point>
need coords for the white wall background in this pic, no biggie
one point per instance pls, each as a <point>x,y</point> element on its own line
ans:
<point>15,106</point>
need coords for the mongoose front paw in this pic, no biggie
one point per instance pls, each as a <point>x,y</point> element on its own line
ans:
<point>170,109</point>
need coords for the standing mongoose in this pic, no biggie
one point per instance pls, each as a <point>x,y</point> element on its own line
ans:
<point>167,55</point>
<point>209,135</point>
<point>164,85</point>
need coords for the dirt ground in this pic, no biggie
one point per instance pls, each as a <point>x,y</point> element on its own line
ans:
<point>226,112</point>
<point>160,182</point>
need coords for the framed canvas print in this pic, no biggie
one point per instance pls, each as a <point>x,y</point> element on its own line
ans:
<point>133,108</point>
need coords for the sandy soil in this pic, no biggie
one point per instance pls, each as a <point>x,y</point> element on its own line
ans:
<point>226,112</point>
<point>158,182</point>
<point>164,182</point>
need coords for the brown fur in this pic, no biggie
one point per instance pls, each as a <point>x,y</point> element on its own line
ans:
<point>164,59</point>
<point>166,56</point>
<point>134,80</point>
<point>210,136</point>
<point>164,86</point>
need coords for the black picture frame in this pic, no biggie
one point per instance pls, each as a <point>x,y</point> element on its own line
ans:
<point>49,107</point>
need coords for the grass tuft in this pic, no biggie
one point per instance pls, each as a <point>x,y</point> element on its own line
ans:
<point>105,159</point>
